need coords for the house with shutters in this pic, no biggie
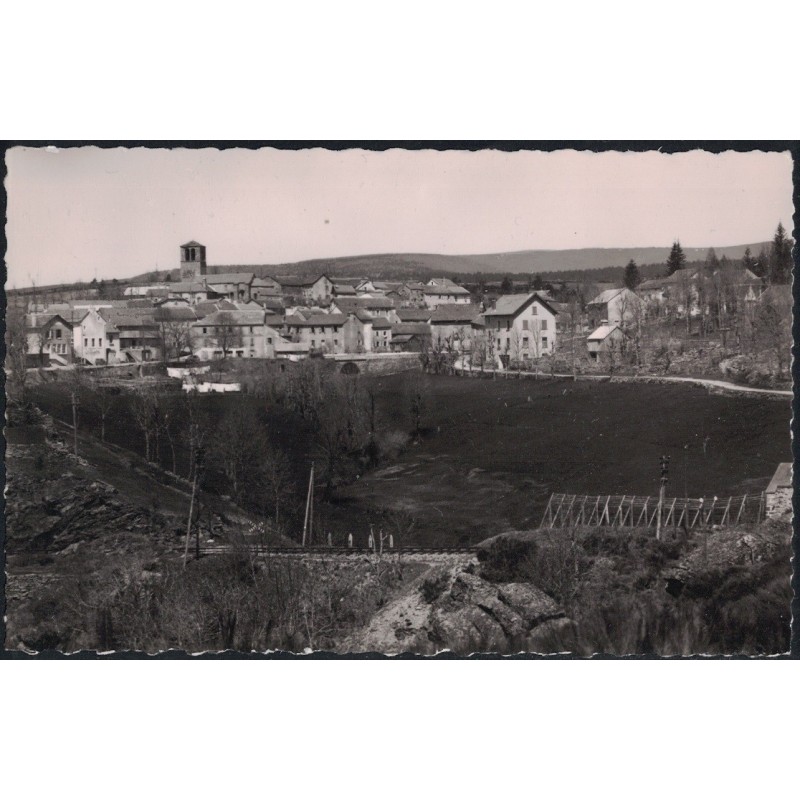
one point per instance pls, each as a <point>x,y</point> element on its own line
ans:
<point>522,326</point>
<point>234,333</point>
<point>451,325</point>
<point>445,294</point>
<point>321,333</point>
<point>50,338</point>
<point>310,290</point>
<point>374,306</point>
<point>234,286</point>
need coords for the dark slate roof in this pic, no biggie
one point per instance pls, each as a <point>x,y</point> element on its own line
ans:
<point>455,313</point>
<point>511,304</point>
<point>175,314</point>
<point>193,243</point>
<point>233,318</point>
<point>229,277</point>
<point>317,319</point>
<point>414,314</point>
<point>380,323</point>
<point>410,329</point>
<point>448,289</point>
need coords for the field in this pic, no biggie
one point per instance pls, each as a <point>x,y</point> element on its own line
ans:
<point>494,450</point>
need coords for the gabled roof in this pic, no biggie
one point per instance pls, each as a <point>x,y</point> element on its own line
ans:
<point>234,317</point>
<point>128,317</point>
<point>602,332</point>
<point>175,314</point>
<point>317,319</point>
<point>344,289</point>
<point>509,305</point>
<point>454,313</point>
<point>45,320</point>
<point>414,314</point>
<point>782,479</point>
<point>188,286</point>
<point>450,288</point>
<point>229,277</point>
<point>353,304</point>
<point>410,329</point>
<point>605,297</point>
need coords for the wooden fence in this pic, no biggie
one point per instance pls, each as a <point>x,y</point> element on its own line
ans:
<point>629,511</point>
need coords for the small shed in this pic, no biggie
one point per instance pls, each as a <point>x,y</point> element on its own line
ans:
<point>779,493</point>
<point>602,338</point>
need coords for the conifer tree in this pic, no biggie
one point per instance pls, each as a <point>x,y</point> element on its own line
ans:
<point>676,259</point>
<point>632,277</point>
<point>780,257</point>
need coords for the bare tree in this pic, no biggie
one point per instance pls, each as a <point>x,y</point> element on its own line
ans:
<point>16,357</point>
<point>227,335</point>
<point>103,398</point>
<point>144,408</point>
<point>76,387</point>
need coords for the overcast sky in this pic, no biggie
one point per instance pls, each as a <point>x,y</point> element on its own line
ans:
<point>79,213</point>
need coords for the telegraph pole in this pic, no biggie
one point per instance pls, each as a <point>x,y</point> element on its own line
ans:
<point>664,479</point>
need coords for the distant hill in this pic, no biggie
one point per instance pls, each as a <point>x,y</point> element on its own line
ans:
<point>418,265</point>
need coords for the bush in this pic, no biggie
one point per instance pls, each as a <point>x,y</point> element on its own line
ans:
<point>508,559</point>
<point>432,588</point>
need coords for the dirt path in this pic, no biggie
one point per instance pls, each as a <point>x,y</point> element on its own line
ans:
<point>708,383</point>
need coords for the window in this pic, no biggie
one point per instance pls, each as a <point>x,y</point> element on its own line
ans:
<point>524,341</point>
<point>544,342</point>
<point>534,310</point>
<point>508,324</point>
<point>498,341</point>
<point>269,340</point>
<point>524,324</point>
<point>100,342</point>
<point>92,341</point>
<point>205,330</point>
<point>313,343</point>
<point>336,342</point>
<point>544,324</point>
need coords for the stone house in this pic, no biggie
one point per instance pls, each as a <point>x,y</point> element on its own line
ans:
<point>435,296</point>
<point>522,326</point>
<point>234,286</point>
<point>319,332</point>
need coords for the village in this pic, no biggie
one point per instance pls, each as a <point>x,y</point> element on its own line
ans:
<point>365,453</point>
<point>210,316</point>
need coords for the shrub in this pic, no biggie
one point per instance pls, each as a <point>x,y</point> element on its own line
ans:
<point>432,588</point>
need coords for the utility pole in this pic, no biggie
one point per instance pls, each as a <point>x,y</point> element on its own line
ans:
<point>308,521</point>
<point>198,464</point>
<point>664,479</point>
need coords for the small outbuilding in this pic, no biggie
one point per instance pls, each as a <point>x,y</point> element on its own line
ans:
<point>779,493</point>
<point>603,338</point>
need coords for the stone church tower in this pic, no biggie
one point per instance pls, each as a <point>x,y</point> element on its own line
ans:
<point>193,260</point>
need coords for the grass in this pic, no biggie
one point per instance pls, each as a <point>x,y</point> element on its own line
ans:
<point>494,450</point>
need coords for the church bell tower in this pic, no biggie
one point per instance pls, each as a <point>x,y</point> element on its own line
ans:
<point>193,260</point>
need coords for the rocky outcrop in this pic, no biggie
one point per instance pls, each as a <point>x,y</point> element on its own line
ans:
<point>465,614</point>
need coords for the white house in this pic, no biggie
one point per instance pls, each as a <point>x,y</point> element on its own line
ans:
<point>523,326</point>
<point>614,306</point>
<point>449,294</point>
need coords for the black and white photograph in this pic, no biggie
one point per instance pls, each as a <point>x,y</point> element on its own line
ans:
<point>397,400</point>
